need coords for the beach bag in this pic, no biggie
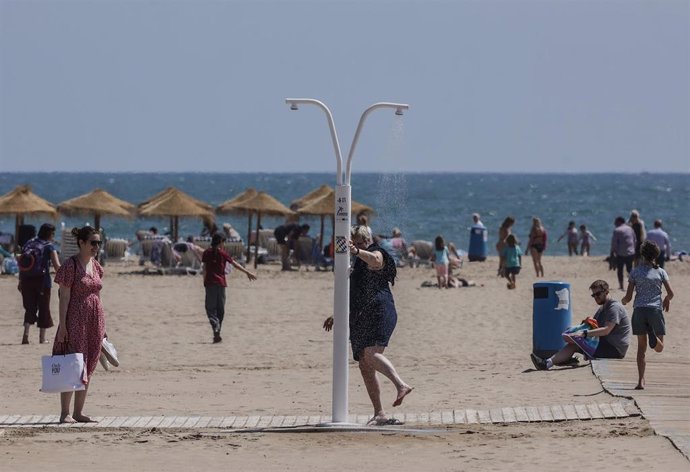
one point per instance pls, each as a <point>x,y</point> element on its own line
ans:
<point>10,266</point>
<point>63,373</point>
<point>589,344</point>
<point>32,261</point>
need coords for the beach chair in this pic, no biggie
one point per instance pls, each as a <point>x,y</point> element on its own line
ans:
<point>236,250</point>
<point>272,249</point>
<point>115,248</point>
<point>424,251</point>
<point>68,245</point>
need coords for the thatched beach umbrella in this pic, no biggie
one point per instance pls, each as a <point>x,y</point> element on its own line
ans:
<point>174,203</point>
<point>98,203</point>
<point>262,203</point>
<point>230,206</point>
<point>22,201</point>
<point>311,196</point>
<point>325,205</point>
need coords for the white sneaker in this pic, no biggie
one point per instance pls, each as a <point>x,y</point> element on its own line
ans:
<point>104,361</point>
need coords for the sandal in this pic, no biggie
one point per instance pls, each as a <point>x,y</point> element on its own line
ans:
<point>378,421</point>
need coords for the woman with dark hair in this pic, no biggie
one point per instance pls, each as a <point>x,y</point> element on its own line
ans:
<point>34,281</point>
<point>82,321</point>
<point>372,319</point>
<point>648,309</point>
<point>636,223</point>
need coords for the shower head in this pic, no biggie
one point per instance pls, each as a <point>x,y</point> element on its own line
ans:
<point>399,111</point>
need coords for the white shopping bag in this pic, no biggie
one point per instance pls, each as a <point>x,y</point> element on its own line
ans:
<point>63,373</point>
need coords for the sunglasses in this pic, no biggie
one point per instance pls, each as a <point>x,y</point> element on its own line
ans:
<point>95,243</point>
<point>596,294</point>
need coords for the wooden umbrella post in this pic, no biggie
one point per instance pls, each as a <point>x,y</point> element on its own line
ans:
<point>256,240</point>
<point>249,237</point>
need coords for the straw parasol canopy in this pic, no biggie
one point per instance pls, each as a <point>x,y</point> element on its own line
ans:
<point>22,201</point>
<point>325,205</point>
<point>311,196</point>
<point>174,203</point>
<point>97,202</point>
<point>229,206</point>
<point>261,203</point>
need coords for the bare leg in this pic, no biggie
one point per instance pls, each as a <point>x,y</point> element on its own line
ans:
<point>641,362</point>
<point>564,354</point>
<point>374,357</point>
<point>25,337</point>
<point>42,335</point>
<point>371,382</point>
<point>65,400</point>
<point>540,267</point>
<point>659,344</point>
<point>79,400</point>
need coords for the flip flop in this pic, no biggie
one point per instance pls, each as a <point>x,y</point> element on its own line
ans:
<point>376,421</point>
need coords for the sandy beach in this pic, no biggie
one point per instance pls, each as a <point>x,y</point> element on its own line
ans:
<point>460,348</point>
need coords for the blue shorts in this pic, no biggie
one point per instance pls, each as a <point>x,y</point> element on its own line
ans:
<point>513,270</point>
<point>647,320</point>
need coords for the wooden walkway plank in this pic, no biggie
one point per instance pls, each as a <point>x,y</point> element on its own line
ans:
<point>532,414</point>
<point>471,416</point>
<point>558,413</point>
<point>167,421</point>
<point>606,410</point>
<point>484,416</point>
<point>252,421</point>
<point>447,417</point>
<point>143,421</point>
<point>509,415</point>
<point>570,413</point>
<point>663,402</point>
<point>459,417</point>
<point>228,421</point>
<point>521,414</point>
<point>582,412</point>
<point>496,415</point>
<point>594,411</point>
<point>545,413</point>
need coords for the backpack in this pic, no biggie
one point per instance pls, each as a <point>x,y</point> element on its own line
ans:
<point>32,261</point>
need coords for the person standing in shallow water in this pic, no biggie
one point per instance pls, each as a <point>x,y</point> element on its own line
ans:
<point>372,319</point>
<point>215,258</point>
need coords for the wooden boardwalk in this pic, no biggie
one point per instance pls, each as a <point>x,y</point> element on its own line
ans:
<point>665,401</point>
<point>526,414</point>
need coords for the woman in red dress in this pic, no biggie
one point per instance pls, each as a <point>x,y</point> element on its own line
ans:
<point>82,322</point>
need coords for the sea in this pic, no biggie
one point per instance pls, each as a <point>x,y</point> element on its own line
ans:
<point>421,205</point>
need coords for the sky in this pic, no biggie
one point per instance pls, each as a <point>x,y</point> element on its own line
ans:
<point>493,86</point>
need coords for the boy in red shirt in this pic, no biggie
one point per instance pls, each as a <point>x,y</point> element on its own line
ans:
<point>214,259</point>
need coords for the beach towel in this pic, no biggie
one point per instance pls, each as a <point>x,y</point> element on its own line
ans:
<point>589,344</point>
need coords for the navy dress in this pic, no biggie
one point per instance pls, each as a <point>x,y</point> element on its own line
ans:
<point>372,310</point>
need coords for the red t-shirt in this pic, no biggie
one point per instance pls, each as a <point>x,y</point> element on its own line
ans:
<point>215,260</point>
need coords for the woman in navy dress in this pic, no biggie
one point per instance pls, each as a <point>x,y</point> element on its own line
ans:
<point>372,318</point>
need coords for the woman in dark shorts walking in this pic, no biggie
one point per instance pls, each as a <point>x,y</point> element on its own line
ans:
<point>648,318</point>
<point>372,319</point>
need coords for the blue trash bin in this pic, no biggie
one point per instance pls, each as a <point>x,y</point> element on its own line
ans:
<point>477,250</point>
<point>552,314</point>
